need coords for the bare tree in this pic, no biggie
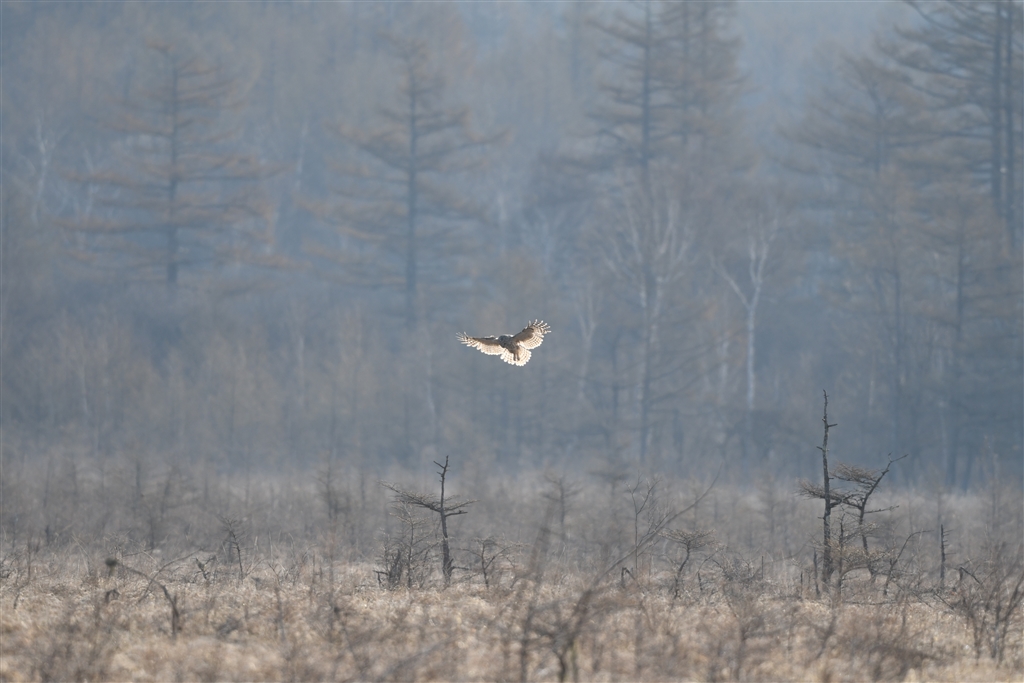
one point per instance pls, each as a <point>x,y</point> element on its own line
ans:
<point>561,493</point>
<point>642,496</point>
<point>439,505</point>
<point>836,553</point>
<point>489,554</point>
<point>404,555</point>
<point>830,499</point>
<point>866,482</point>
<point>560,623</point>
<point>759,238</point>
<point>690,541</point>
<point>990,596</point>
<point>647,248</point>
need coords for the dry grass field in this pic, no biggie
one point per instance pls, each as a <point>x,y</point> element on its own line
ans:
<point>208,578</point>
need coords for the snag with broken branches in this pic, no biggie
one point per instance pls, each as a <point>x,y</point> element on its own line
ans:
<point>444,508</point>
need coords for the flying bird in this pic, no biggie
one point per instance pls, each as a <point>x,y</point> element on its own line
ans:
<point>513,349</point>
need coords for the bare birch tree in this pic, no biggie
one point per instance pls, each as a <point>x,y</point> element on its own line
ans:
<point>647,248</point>
<point>760,235</point>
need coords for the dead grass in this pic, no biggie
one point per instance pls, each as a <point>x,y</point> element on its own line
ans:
<point>269,587</point>
<point>73,625</point>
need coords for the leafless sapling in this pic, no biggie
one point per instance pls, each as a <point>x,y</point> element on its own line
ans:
<point>444,509</point>
<point>338,508</point>
<point>404,555</point>
<point>232,527</point>
<point>893,557</point>
<point>172,600</point>
<point>690,541</point>
<point>991,599</point>
<point>561,493</point>
<point>560,623</point>
<point>641,495</point>
<point>489,554</point>
<point>942,555</point>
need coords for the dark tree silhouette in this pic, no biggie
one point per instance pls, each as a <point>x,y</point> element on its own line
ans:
<point>177,193</point>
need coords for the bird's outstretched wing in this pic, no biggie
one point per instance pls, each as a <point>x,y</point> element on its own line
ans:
<point>514,350</point>
<point>532,336</point>
<point>488,345</point>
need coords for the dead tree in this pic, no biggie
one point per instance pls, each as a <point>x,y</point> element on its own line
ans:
<point>866,482</point>
<point>562,491</point>
<point>443,508</point>
<point>561,623</point>
<point>641,495</point>
<point>489,554</point>
<point>172,600</point>
<point>992,600</point>
<point>831,500</point>
<point>690,541</point>
<point>235,536</point>
<point>404,554</point>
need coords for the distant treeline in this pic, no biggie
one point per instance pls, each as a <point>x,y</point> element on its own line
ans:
<point>248,234</point>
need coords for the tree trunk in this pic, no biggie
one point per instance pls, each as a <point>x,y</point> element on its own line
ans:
<point>827,517</point>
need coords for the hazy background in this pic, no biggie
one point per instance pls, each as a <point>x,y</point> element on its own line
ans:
<point>245,235</point>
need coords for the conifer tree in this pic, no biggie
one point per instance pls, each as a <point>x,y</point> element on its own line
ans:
<point>901,147</point>
<point>400,216</point>
<point>967,60</point>
<point>177,194</point>
<point>666,73</point>
<point>402,224</point>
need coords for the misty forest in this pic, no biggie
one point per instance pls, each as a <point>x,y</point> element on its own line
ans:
<point>774,432</point>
